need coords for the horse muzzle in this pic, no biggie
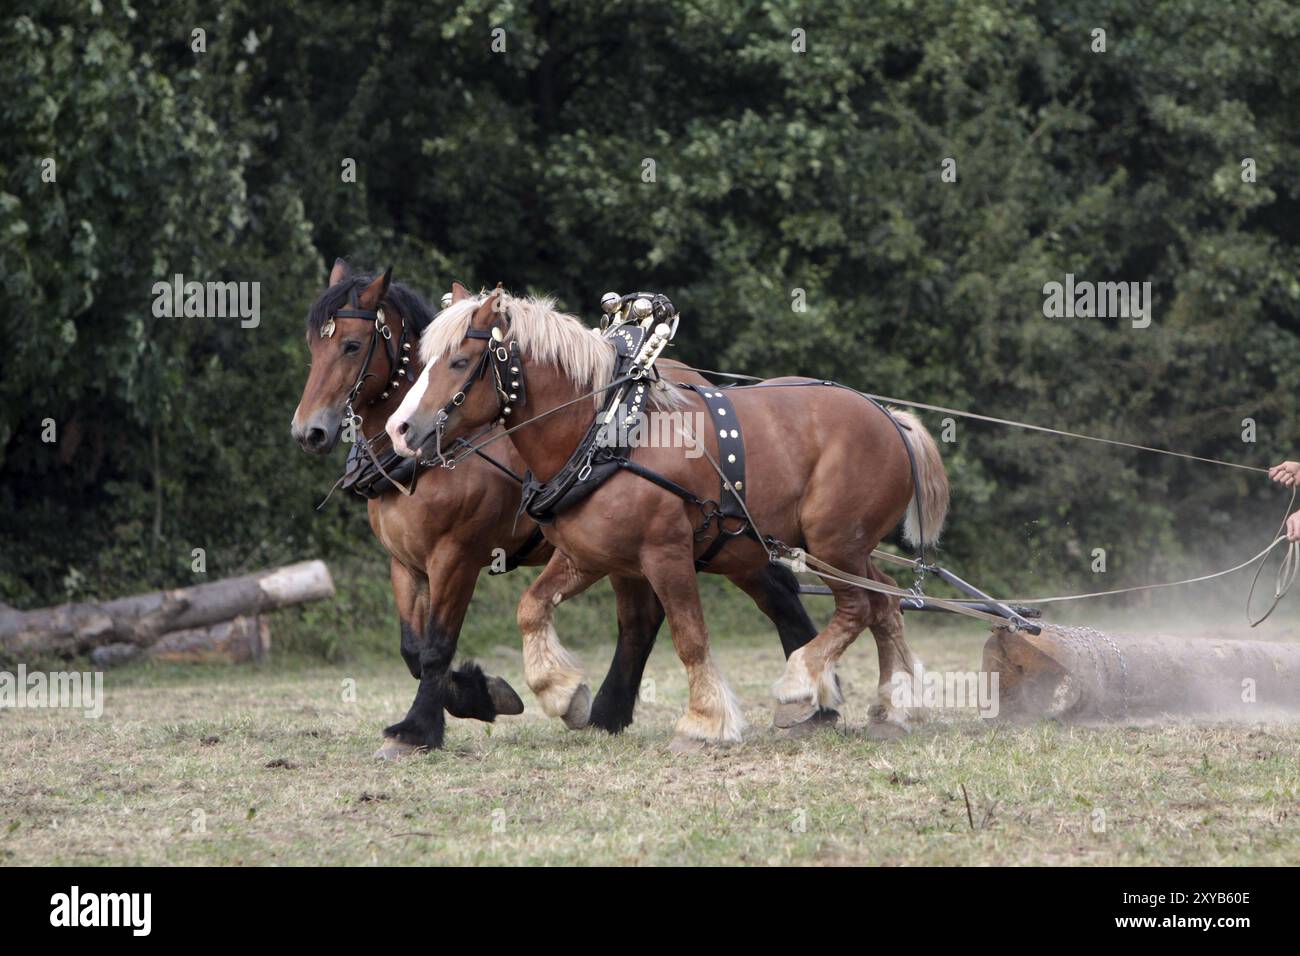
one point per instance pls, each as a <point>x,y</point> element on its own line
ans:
<point>318,434</point>
<point>413,438</point>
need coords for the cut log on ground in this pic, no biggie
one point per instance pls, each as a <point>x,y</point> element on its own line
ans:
<point>233,642</point>
<point>1080,674</point>
<point>72,629</point>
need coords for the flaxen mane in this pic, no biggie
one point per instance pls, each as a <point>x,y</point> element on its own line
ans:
<point>544,335</point>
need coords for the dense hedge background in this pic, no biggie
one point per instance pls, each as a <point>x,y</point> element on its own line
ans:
<point>775,171</point>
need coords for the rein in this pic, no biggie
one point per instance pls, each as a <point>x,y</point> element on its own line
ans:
<point>1000,421</point>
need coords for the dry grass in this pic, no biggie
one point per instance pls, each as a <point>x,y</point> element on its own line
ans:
<point>276,767</point>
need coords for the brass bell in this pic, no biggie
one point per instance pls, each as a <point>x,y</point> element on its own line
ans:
<point>642,308</point>
<point>609,302</point>
<point>505,411</point>
<point>396,383</point>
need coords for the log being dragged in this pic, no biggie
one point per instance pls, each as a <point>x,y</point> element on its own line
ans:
<point>1077,673</point>
<point>246,638</point>
<point>72,629</point>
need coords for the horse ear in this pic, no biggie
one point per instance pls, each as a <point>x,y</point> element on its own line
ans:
<point>375,292</point>
<point>489,308</point>
<point>339,272</point>
<point>458,292</point>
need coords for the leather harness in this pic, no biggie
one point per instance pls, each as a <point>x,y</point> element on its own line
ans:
<point>597,458</point>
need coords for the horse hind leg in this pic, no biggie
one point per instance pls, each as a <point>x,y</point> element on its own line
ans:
<point>552,673</point>
<point>809,690</point>
<point>894,713</point>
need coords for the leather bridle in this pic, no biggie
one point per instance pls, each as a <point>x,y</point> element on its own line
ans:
<point>399,359</point>
<point>507,366</point>
<point>399,367</point>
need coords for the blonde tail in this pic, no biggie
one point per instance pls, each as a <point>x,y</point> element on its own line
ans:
<point>929,506</point>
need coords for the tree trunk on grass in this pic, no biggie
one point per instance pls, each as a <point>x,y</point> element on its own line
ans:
<point>236,641</point>
<point>1077,673</point>
<point>71,629</point>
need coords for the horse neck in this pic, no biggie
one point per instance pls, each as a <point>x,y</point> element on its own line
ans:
<point>547,444</point>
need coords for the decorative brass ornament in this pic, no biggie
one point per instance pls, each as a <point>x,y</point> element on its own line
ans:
<point>327,329</point>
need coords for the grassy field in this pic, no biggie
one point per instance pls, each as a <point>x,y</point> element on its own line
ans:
<point>272,765</point>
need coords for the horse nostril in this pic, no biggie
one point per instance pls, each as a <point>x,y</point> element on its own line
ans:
<point>403,428</point>
<point>316,437</point>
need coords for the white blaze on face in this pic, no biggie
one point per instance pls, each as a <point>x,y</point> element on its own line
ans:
<point>404,411</point>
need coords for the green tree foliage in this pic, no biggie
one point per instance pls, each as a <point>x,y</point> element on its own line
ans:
<point>774,171</point>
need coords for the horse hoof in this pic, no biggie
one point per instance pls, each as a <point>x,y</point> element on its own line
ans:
<point>687,745</point>
<point>790,713</point>
<point>578,715</point>
<point>821,718</point>
<point>504,699</point>
<point>885,730</point>
<point>396,749</point>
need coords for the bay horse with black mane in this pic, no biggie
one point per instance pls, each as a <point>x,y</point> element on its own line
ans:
<point>826,470</point>
<point>363,334</point>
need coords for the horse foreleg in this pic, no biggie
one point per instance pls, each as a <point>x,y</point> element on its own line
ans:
<point>713,714</point>
<point>429,652</point>
<point>640,616</point>
<point>552,673</point>
<point>411,593</point>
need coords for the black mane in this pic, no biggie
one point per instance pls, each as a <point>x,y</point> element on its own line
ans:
<point>409,303</point>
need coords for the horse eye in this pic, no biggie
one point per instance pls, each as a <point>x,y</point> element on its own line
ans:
<point>459,363</point>
<point>350,348</point>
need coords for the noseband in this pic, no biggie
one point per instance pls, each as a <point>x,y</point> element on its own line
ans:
<point>380,330</point>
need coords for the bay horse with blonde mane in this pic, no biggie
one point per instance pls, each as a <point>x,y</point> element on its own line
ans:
<point>362,332</point>
<point>826,470</point>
